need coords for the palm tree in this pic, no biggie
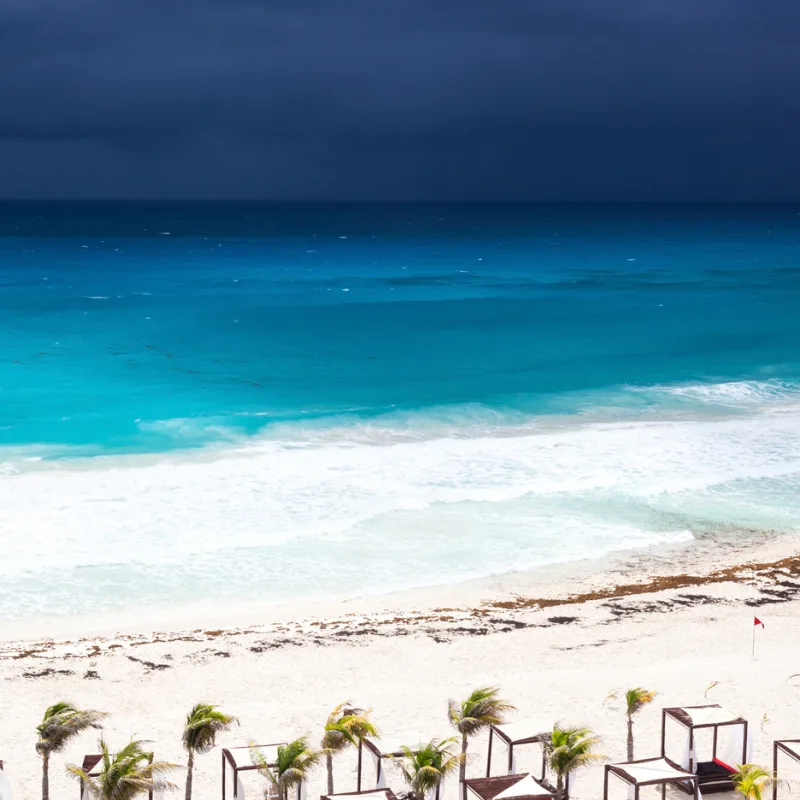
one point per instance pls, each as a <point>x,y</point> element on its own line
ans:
<point>295,761</point>
<point>570,749</point>
<point>753,781</point>
<point>124,775</point>
<point>635,701</point>
<point>424,769</point>
<point>61,722</point>
<point>203,723</point>
<point>480,710</point>
<point>346,726</point>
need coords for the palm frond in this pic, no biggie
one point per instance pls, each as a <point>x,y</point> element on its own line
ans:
<point>347,726</point>
<point>482,708</point>
<point>260,762</point>
<point>710,687</point>
<point>570,749</point>
<point>636,699</point>
<point>61,722</point>
<point>425,768</point>
<point>203,723</point>
<point>126,774</point>
<point>753,781</point>
<point>295,761</point>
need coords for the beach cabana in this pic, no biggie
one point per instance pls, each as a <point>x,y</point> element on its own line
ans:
<point>5,785</point>
<point>89,766</point>
<point>790,748</point>
<point>652,772</point>
<point>711,761</point>
<point>521,732</point>
<point>508,787</point>
<point>390,745</point>
<point>239,761</point>
<point>367,794</point>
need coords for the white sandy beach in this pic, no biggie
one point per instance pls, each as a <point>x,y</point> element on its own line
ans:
<point>405,660</point>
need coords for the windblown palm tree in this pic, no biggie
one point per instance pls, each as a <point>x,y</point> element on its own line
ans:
<point>480,710</point>
<point>61,723</point>
<point>203,723</point>
<point>124,775</point>
<point>635,701</point>
<point>752,781</point>
<point>295,761</point>
<point>346,726</point>
<point>424,769</point>
<point>570,749</point>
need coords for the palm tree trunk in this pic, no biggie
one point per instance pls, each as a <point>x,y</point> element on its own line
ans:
<point>560,787</point>
<point>45,777</point>
<point>189,775</point>
<point>630,738</point>
<point>462,767</point>
<point>329,760</point>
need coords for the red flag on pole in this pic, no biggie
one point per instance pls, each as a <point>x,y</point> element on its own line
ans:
<point>756,623</point>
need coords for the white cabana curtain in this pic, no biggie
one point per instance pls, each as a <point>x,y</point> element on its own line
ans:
<point>571,779</point>
<point>673,730</point>
<point>377,762</point>
<point>450,788</point>
<point>513,770</point>
<point>731,753</point>
<point>5,786</point>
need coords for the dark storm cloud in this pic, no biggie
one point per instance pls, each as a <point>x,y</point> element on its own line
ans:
<point>518,99</point>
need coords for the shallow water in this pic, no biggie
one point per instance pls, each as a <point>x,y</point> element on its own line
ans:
<point>275,401</point>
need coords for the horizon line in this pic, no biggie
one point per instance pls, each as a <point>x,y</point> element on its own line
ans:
<point>268,201</point>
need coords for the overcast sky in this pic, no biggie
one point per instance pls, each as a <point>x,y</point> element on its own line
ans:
<point>401,99</point>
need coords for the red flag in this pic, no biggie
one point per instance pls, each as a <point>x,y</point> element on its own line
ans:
<point>757,621</point>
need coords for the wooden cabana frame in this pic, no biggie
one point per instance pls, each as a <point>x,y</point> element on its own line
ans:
<point>90,762</point>
<point>270,752</point>
<point>513,734</point>
<point>388,746</point>
<point>789,747</point>
<point>711,778</point>
<point>489,788</point>
<point>652,772</point>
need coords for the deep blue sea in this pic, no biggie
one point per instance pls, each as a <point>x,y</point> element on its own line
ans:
<point>275,401</point>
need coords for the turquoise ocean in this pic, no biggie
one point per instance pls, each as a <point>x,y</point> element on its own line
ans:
<point>267,402</point>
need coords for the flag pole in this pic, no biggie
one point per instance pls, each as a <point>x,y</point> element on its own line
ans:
<point>754,641</point>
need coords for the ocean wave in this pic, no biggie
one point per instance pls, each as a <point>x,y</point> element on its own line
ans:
<point>736,394</point>
<point>514,417</point>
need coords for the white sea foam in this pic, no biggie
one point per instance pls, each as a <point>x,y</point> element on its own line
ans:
<point>737,394</point>
<point>307,508</point>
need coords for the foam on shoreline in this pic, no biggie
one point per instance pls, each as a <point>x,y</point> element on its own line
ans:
<point>718,558</point>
